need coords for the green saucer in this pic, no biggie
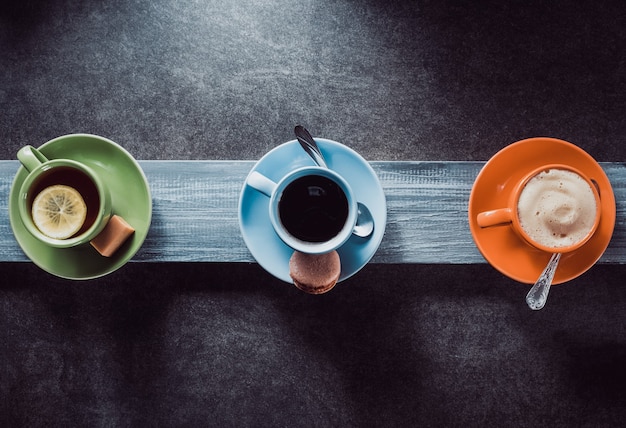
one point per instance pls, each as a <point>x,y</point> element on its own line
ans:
<point>130,197</point>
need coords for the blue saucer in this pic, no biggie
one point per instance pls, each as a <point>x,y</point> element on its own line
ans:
<point>263,242</point>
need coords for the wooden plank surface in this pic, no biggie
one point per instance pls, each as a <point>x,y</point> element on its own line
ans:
<point>195,212</point>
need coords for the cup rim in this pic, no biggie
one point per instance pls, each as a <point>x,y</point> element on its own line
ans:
<point>313,247</point>
<point>515,217</point>
<point>100,221</point>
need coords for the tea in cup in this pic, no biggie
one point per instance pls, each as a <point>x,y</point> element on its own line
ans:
<point>554,208</point>
<point>64,203</point>
<point>312,209</point>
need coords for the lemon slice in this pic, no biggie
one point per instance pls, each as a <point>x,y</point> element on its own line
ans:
<point>59,211</point>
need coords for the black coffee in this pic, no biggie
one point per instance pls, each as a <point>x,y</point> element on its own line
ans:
<point>313,208</point>
<point>74,178</point>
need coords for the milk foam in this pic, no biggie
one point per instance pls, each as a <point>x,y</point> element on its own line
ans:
<point>557,208</point>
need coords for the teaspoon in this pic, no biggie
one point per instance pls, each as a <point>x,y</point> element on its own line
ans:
<point>364,222</point>
<point>538,294</point>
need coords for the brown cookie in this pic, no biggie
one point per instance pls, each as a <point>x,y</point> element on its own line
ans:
<point>314,273</point>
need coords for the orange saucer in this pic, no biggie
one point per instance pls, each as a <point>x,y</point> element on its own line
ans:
<point>500,245</point>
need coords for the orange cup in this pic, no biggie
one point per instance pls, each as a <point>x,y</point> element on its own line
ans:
<point>558,209</point>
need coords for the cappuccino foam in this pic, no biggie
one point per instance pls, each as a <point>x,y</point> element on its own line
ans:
<point>557,208</point>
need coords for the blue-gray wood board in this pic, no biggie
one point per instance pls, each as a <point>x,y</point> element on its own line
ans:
<point>195,212</point>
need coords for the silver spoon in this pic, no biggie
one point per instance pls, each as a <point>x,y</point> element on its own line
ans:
<point>364,222</point>
<point>538,294</point>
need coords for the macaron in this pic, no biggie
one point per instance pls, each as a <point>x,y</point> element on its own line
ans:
<point>314,273</point>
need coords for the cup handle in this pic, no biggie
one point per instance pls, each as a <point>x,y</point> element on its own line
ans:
<point>30,157</point>
<point>494,217</point>
<point>261,183</point>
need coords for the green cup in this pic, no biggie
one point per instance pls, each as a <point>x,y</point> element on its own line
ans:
<point>42,173</point>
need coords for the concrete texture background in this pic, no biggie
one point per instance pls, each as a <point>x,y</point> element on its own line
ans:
<point>229,345</point>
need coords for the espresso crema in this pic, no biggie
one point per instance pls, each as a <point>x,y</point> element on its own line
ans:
<point>557,208</point>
